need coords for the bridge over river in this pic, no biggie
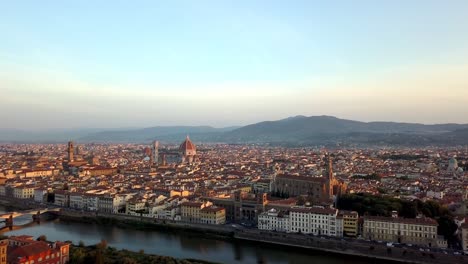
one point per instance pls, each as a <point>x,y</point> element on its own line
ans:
<point>34,215</point>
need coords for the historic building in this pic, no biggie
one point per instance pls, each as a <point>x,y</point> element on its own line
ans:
<point>315,220</point>
<point>350,223</point>
<point>419,231</point>
<point>187,151</point>
<point>154,156</point>
<point>213,215</point>
<point>24,249</point>
<point>321,189</point>
<point>70,151</point>
<point>242,207</point>
<point>274,220</point>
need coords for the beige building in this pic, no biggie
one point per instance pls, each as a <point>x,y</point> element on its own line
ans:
<point>39,173</point>
<point>213,215</point>
<point>3,251</point>
<point>350,223</point>
<point>181,193</point>
<point>242,207</point>
<point>191,211</point>
<point>23,192</point>
<point>419,231</point>
<point>134,205</point>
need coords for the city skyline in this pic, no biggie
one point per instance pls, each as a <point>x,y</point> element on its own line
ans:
<point>113,65</point>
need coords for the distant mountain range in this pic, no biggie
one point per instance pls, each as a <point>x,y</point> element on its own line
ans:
<point>162,133</point>
<point>328,130</point>
<point>292,131</point>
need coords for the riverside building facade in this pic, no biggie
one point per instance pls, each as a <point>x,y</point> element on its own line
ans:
<point>419,231</point>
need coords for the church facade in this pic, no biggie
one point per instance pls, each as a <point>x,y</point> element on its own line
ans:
<point>321,189</point>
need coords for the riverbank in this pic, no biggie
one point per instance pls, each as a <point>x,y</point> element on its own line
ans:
<point>16,204</point>
<point>102,254</point>
<point>371,251</point>
<point>141,223</point>
<point>357,249</point>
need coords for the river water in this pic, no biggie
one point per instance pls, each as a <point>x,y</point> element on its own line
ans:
<point>178,244</point>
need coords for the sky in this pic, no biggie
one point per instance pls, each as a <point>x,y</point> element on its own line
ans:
<point>109,63</point>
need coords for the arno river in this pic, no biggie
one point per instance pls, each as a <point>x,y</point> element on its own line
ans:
<point>178,244</point>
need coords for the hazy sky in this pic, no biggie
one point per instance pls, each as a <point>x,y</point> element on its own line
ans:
<point>144,63</point>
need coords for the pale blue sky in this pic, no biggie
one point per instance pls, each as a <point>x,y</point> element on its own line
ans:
<point>220,63</point>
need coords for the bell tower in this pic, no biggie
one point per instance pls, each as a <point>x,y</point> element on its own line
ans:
<point>70,151</point>
<point>155,153</point>
<point>330,177</point>
<point>330,169</point>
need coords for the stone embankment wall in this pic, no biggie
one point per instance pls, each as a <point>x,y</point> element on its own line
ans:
<point>352,247</point>
<point>358,248</point>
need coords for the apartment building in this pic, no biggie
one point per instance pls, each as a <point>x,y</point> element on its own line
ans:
<point>315,220</point>
<point>419,231</point>
<point>274,220</point>
<point>62,198</point>
<point>191,211</point>
<point>40,195</point>
<point>26,250</point>
<point>213,215</point>
<point>76,200</point>
<point>23,192</point>
<point>135,205</point>
<point>350,222</point>
<point>112,203</point>
<point>90,201</point>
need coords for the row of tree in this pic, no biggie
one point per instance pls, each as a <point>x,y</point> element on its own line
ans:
<point>101,253</point>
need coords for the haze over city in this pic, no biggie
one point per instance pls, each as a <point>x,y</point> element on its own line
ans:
<point>115,64</point>
<point>247,131</point>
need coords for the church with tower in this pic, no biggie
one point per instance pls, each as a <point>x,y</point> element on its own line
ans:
<point>185,154</point>
<point>320,189</point>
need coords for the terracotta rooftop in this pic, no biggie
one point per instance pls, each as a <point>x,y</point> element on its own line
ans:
<point>187,145</point>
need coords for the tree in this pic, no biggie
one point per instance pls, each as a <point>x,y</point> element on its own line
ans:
<point>77,256</point>
<point>128,260</point>
<point>42,238</point>
<point>447,227</point>
<point>81,243</point>
<point>50,197</point>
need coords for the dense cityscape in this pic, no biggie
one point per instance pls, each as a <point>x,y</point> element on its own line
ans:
<point>405,197</point>
<point>248,131</point>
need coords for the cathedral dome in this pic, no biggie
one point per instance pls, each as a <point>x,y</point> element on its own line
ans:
<point>187,147</point>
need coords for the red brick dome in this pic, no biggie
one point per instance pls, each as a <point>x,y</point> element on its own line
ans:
<point>187,146</point>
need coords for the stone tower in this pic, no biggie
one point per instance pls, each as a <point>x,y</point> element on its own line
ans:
<point>70,151</point>
<point>155,153</point>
